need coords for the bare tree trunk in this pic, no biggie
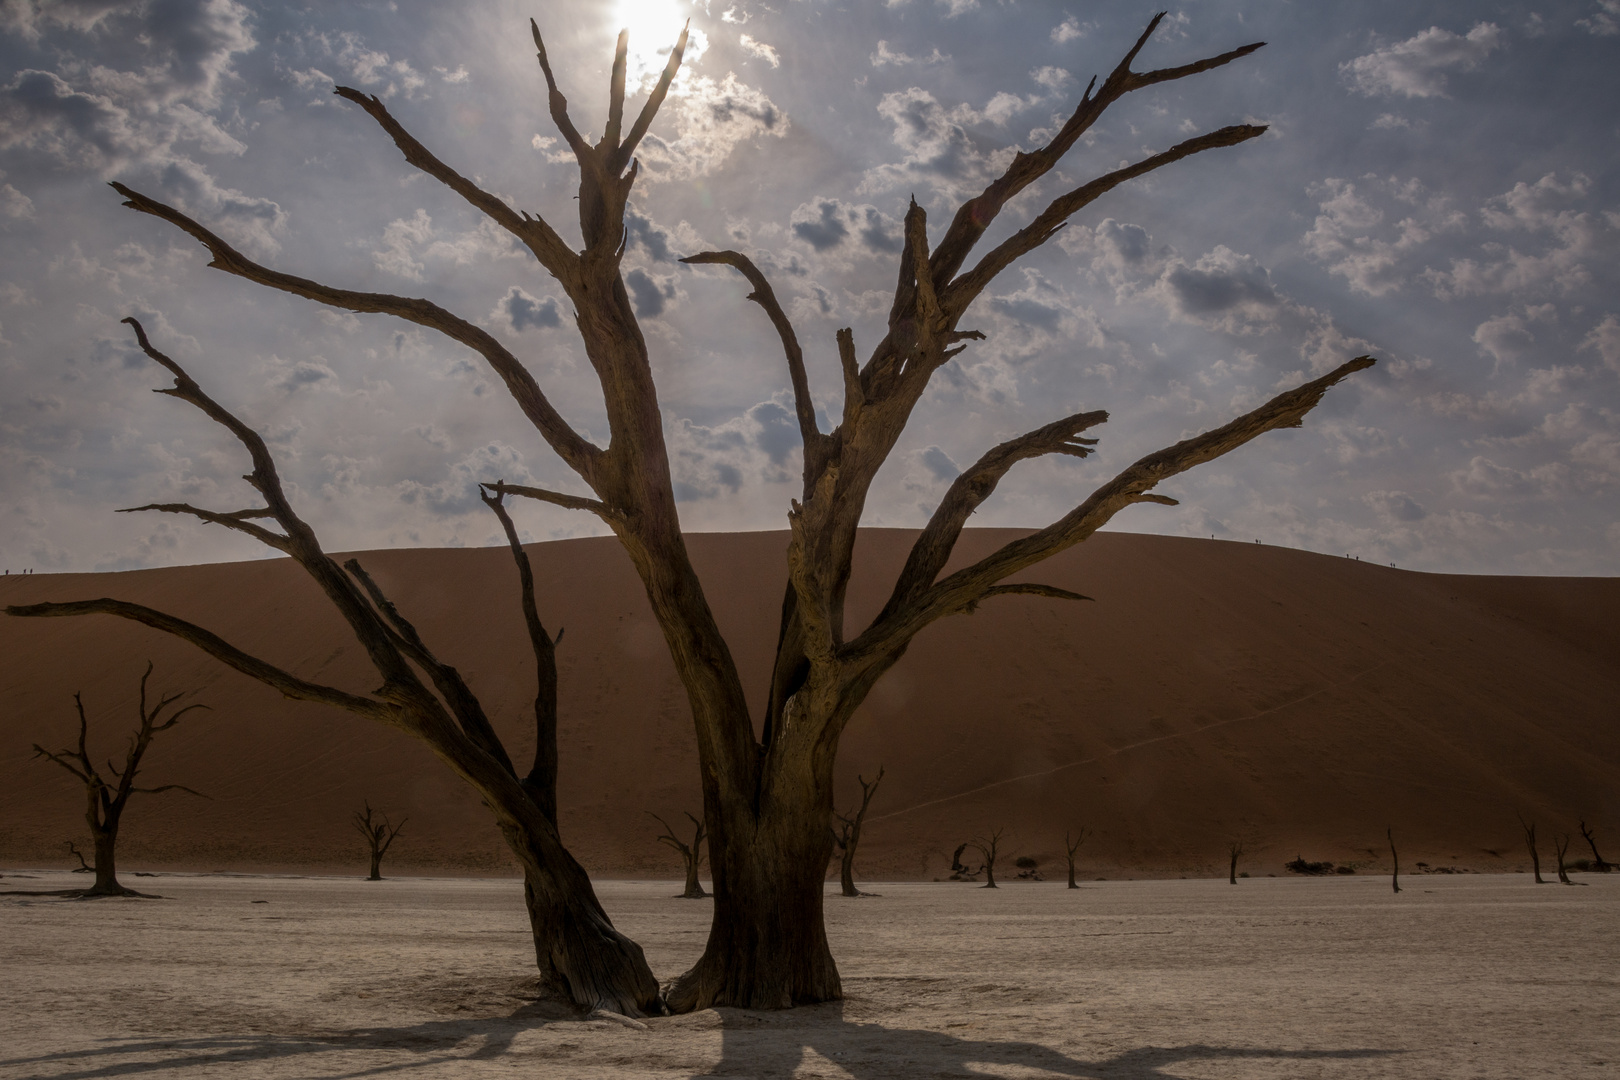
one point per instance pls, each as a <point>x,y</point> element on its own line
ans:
<point>1597,860</point>
<point>987,849</point>
<point>106,839</point>
<point>691,854</point>
<point>1069,848</point>
<point>83,867</point>
<point>1560,849</point>
<point>848,837</point>
<point>1394,861</point>
<point>1530,842</point>
<point>1234,849</point>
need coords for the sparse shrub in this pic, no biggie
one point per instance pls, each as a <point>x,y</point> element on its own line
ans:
<point>1345,870</point>
<point>1025,862</point>
<point>1300,866</point>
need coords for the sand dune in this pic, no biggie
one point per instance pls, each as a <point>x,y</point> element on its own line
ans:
<point>1214,690</point>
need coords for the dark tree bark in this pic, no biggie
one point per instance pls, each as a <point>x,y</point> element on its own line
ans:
<point>986,847</point>
<point>1597,860</point>
<point>1530,842</point>
<point>767,797</point>
<point>579,953</point>
<point>691,854</point>
<point>107,797</point>
<point>1234,849</point>
<point>379,837</point>
<point>1394,861</point>
<point>848,836</point>
<point>1069,849</point>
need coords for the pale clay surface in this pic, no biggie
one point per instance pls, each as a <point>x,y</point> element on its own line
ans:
<point>1469,976</point>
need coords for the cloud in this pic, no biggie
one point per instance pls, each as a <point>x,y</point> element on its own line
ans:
<point>1418,66</point>
<point>409,244</point>
<point>1350,214</point>
<point>456,491</point>
<point>651,294</point>
<point>1505,337</point>
<point>522,312</point>
<point>1541,213</point>
<point>826,223</point>
<point>939,463</point>
<point>939,150</point>
<point>710,118</point>
<point>1068,30</point>
<point>760,446</point>
<point>1604,22</point>
<point>1604,339</point>
<point>761,50</point>
<point>1395,506</point>
<point>1223,288</point>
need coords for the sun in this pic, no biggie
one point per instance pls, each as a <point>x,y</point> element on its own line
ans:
<point>654,25</point>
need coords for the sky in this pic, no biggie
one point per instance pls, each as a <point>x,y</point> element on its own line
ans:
<point>1437,187</point>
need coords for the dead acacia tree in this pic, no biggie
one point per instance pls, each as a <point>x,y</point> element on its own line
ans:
<point>986,847</point>
<point>1394,860</point>
<point>767,790</point>
<point>1529,828</point>
<point>379,837</point>
<point>83,867</point>
<point>1069,849</point>
<point>1597,860</point>
<point>691,854</point>
<point>577,949</point>
<point>107,796</point>
<point>1234,849</point>
<point>1560,849</point>
<point>848,835</point>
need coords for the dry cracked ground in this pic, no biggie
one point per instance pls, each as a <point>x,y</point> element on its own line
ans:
<point>1458,976</point>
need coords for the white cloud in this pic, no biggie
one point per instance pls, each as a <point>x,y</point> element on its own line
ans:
<point>761,50</point>
<point>711,118</point>
<point>1418,66</point>
<point>1604,339</point>
<point>1505,337</point>
<point>1604,22</point>
<point>1068,30</point>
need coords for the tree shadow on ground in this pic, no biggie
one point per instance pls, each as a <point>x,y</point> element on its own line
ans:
<point>753,1044</point>
<point>757,1044</point>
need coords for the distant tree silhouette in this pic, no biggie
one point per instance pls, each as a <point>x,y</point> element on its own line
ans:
<point>1234,849</point>
<point>691,854</point>
<point>1560,849</point>
<point>1597,860</point>
<point>1394,860</point>
<point>986,847</point>
<point>849,834</point>
<point>83,867</point>
<point>1069,848</point>
<point>106,799</point>
<point>379,835</point>
<point>1529,828</point>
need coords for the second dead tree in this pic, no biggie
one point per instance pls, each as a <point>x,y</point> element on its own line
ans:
<point>1530,842</point>
<point>1234,849</point>
<point>105,801</point>
<point>379,836</point>
<point>849,835</point>
<point>1597,860</point>
<point>1560,849</point>
<point>987,850</point>
<point>1394,860</point>
<point>691,854</point>
<point>83,867</point>
<point>1069,848</point>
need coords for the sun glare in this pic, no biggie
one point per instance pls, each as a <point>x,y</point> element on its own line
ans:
<point>654,25</point>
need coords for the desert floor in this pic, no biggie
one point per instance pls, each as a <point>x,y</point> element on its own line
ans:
<point>1465,976</point>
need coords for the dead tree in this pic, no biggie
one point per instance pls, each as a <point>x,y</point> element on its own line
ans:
<point>986,847</point>
<point>83,867</point>
<point>106,797</point>
<point>577,949</point>
<point>379,837</point>
<point>1529,828</point>
<point>1069,848</point>
<point>1394,860</point>
<point>1560,849</point>
<point>1597,860</point>
<point>767,788</point>
<point>691,854</point>
<point>848,835</point>
<point>1234,849</point>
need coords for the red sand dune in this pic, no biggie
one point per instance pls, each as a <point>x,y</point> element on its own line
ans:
<point>1213,691</point>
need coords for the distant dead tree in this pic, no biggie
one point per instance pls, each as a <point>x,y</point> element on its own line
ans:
<point>986,847</point>
<point>849,834</point>
<point>1394,860</point>
<point>83,867</point>
<point>960,871</point>
<point>379,835</point>
<point>105,801</point>
<point>1529,828</point>
<point>767,780</point>
<point>1069,848</point>
<point>691,854</point>
<point>1233,849</point>
<point>1560,849</point>
<point>1597,860</point>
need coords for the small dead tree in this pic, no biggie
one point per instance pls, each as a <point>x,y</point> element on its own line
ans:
<point>1233,849</point>
<point>106,797</point>
<point>849,834</point>
<point>767,781</point>
<point>83,867</point>
<point>1529,828</point>
<point>379,836</point>
<point>691,854</point>
<point>1560,849</point>
<point>1597,860</point>
<point>1394,860</point>
<point>986,847</point>
<point>1070,846</point>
